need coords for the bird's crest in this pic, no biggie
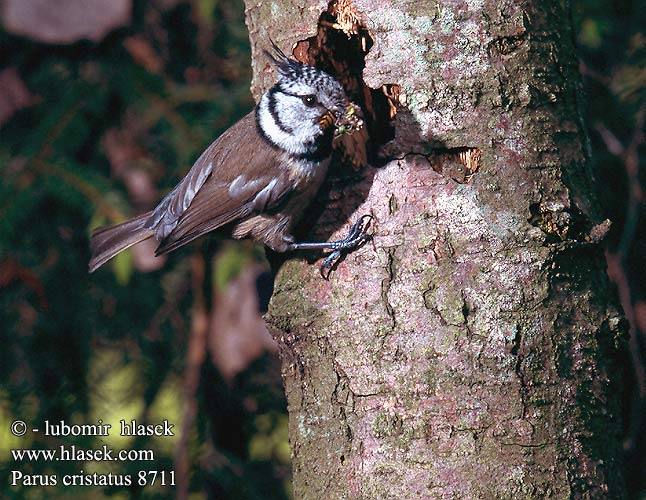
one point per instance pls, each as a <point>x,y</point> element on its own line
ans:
<point>284,65</point>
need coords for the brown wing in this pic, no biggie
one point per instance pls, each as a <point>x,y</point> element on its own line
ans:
<point>244,176</point>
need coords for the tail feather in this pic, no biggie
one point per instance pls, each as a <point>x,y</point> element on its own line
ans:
<point>107,242</point>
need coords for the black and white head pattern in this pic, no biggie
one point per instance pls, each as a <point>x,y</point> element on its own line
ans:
<point>290,113</point>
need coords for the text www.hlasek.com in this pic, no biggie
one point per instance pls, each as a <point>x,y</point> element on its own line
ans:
<point>72,453</point>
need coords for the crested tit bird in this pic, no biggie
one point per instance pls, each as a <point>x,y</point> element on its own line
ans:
<point>258,177</point>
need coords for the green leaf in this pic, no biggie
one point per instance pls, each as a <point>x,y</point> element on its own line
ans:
<point>123,266</point>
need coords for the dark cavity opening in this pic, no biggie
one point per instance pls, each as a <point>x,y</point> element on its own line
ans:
<point>339,48</point>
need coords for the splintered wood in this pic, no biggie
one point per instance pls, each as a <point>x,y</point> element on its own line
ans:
<point>347,18</point>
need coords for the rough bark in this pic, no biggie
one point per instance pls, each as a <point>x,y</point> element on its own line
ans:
<point>468,351</point>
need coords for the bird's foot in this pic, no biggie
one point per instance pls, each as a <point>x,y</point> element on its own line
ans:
<point>356,237</point>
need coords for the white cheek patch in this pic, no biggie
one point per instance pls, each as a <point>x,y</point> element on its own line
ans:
<point>303,133</point>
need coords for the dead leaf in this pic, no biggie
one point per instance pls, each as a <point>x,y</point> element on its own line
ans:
<point>14,94</point>
<point>164,5</point>
<point>143,53</point>
<point>127,161</point>
<point>238,334</point>
<point>145,259</point>
<point>64,21</point>
<point>640,316</point>
<point>12,271</point>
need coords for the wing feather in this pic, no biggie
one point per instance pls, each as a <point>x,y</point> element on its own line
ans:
<point>244,177</point>
<point>212,209</point>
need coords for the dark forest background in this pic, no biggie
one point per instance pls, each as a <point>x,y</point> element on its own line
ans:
<point>103,108</point>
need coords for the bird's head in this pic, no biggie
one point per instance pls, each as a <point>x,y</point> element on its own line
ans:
<point>301,112</point>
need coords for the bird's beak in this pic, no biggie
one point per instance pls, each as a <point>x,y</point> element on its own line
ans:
<point>327,119</point>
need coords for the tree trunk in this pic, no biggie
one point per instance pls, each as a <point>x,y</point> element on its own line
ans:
<point>469,350</point>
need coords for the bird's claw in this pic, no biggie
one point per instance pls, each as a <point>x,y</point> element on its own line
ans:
<point>355,238</point>
<point>328,264</point>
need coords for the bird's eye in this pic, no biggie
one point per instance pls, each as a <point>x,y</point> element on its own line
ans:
<point>309,100</point>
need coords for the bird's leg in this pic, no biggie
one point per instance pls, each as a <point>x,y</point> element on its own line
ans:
<point>356,236</point>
